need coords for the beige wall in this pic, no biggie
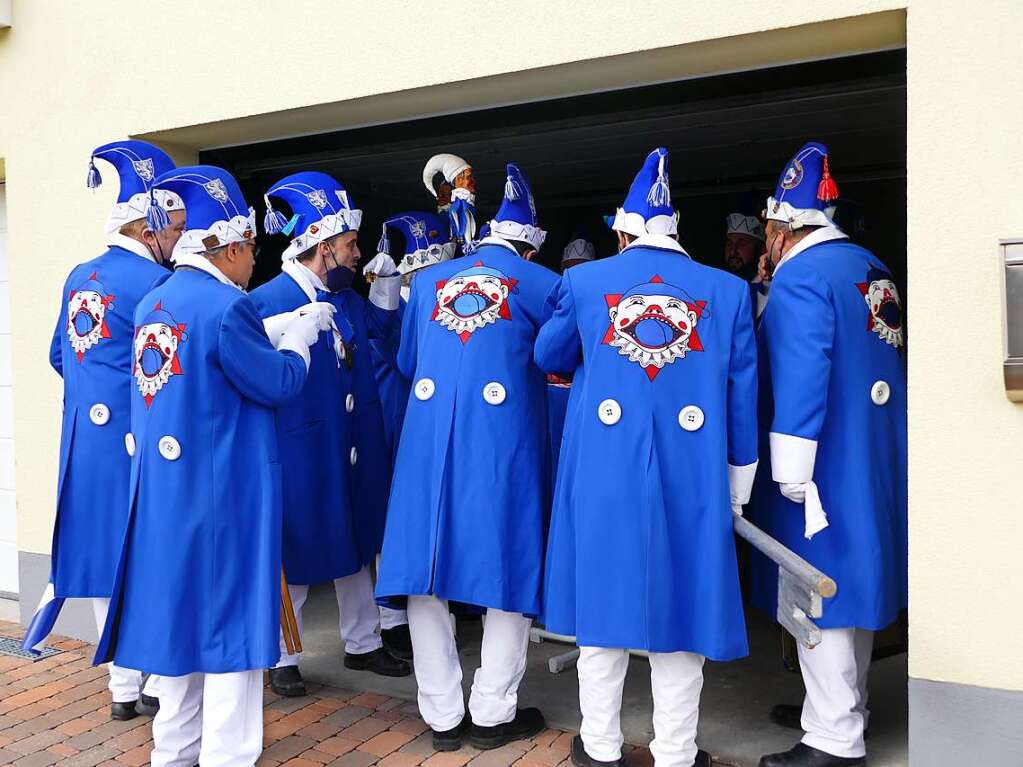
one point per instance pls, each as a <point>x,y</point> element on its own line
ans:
<point>72,77</point>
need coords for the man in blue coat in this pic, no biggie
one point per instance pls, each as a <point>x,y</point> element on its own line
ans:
<point>660,447</point>
<point>196,596</point>
<point>91,351</point>
<point>835,392</point>
<point>333,519</point>
<point>426,241</point>
<point>465,519</point>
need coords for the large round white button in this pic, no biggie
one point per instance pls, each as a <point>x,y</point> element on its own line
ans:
<point>99,414</point>
<point>169,448</point>
<point>494,393</point>
<point>350,403</point>
<point>424,388</point>
<point>353,456</point>
<point>690,418</point>
<point>129,443</point>
<point>609,412</point>
<point>880,392</point>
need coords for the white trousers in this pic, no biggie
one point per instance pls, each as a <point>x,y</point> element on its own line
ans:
<point>676,680</point>
<point>835,707</point>
<point>358,617</point>
<point>124,682</point>
<point>215,720</point>
<point>495,687</point>
<point>391,618</point>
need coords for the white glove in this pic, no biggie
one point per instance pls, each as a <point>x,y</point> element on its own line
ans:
<point>381,265</point>
<point>322,311</point>
<point>737,509</point>
<point>385,290</point>
<point>300,334</point>
<point>805,493</point>
<point>794,491</point>
<point>276,325</point>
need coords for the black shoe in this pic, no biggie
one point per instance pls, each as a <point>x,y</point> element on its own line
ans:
<point>581,759</point>
<point>702,759</point>
<point>450,740</point>
<point>791,717</point>
<point>122,712</point>
<point>802,755</point>
<point>527,723</point>
<point>147,705</point>
<point>398,642</point>
<point>379,662</point>
<point>287,681</point>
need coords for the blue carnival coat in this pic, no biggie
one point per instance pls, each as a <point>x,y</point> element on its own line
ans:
<point>558,391</point>
<point>92,352</point>
<point>465,519</point>
<point>372,462</point>
<point>641,552</point>
<point>393,387</point>
<point>314,435</point>
<point>831,330</point>
<point>198,585</point>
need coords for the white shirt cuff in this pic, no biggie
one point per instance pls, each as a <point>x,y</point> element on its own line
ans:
<point>740,482</point>
<point>792,458</point>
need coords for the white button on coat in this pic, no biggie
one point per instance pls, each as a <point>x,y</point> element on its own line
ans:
<point>350,403</point>
<point>99,414</point>
<point>353,456</point>
<point>169,448</point>
<point>129,443</point>
<point>690,418</point>
<point>424,388</point>
<point>880,392</point>
<point>609,412</point>
<point>494,393</point>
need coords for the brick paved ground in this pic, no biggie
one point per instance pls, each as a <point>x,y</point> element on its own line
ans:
<point>57,710</point>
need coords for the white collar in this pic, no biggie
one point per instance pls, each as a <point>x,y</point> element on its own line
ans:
<point>203,264</point>
<point>123,241</point>
<point>824,234</point>
<point>662,241</point>
<point>492,240</point>
<point>304,276</point>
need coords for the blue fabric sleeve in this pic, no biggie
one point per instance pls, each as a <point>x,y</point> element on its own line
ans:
<point>380,323</point>
<point>250,361</point>
<point>742,388</point>
<point>408,349</point>
<point>56,343</point>
<point>800,331</point>
<point>558,347</point>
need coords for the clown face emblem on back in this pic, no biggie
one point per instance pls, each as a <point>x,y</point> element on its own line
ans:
<point>472,299</point>
<point>156,352</point>
<point>86,316</point>
<point>653,324</point>
<point>882,299</point>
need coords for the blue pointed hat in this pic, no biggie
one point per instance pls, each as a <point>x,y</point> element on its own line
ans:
<point>320,206</point>
<point>806,193</point>
<point>516,219</point>
<point>647,207</point>
<point>216,213</point>
<point>138,164</point>
<point>427,239</point>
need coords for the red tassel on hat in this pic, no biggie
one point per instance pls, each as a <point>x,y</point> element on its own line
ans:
<point>827,189</point>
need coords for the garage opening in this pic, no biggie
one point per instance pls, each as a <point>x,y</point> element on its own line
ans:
<point>728,137</point>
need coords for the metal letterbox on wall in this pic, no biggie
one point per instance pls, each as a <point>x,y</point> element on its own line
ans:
<point>1012,303</point>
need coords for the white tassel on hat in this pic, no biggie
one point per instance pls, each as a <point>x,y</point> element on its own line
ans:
<point>660,194</point>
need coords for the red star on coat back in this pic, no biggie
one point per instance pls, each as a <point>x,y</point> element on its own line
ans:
<point>675,343</point>
<point>481,299</point>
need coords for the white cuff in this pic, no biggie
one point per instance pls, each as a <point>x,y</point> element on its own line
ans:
<point>384,292</point>
<point>792,458</point>
<point>276,325</point>
<point>291,342</point>
<point>740,482</point>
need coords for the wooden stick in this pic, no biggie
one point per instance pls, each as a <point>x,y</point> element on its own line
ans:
<point>289,625</point>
